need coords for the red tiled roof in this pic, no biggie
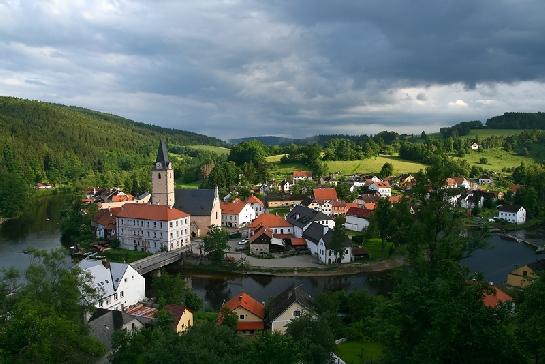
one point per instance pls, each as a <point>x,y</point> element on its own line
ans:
<point>370,206</point>
<point>324,194</point>
<point>395,199</point>
<point>494,299</point>
<point>150,212</point>
<point>358,212</point>
<point>383,184</point>
<point>451,182</point>
<point>232,208</point>
<point>247,302</point>
<point>122,198</point>
<point>302,174</point>
<point>253,199</point>
<point>142,311</point>
<point>250,325</point>
<point>270,221</point>
<point>106,217</point>
<point>515,187</point>
<point>298,242</point>
<point>260,231</point>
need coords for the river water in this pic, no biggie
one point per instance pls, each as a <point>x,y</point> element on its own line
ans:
<point>39,228</point>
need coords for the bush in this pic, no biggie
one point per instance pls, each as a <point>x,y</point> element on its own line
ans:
<point>483,160</point>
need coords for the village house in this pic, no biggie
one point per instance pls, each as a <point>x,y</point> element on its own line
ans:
<point>485,179</point>
<point>326,253</point>
<point>256,204</point>
<point>512,213</point>
<point>152,228</point>
<point>357,219</point>
<point>474,146</point>
<point>118,284</point>
<point>264,241</point>
<point>341,208</point>
<point>300,217</point>
<point>407,181</point>
<point>325,194</point>
<point>43,186</point>
<point>524,275</point>
<point>285,186</point>
<point>181,316</point>
<point>471,200</point>
<point>288,305</point>
<point>104,223</point>
<point>236,214</point>
<point>383,188</point>
<point>103,323</point>
<point>277,224</point>
<point>301,176</point>
<point>249,311</point>
<point>496,297</point>
<point>283,201</point>
<point>325,207</point>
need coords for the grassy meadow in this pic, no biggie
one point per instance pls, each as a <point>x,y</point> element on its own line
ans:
<point>356,352</point>
<point>211,148</point>
<point>497,159</point>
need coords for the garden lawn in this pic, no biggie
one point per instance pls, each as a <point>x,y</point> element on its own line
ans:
<point>373,165</point>
<point>373,246</point>
<point>210,148</point>
<point>124,255</point>
<point>356,352</point>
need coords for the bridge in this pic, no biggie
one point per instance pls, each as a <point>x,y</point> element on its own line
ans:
<point>157,261</point>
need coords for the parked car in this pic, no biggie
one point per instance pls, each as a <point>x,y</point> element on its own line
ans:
<point>243,242</point>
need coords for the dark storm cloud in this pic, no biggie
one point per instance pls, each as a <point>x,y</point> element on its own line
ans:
<point>239,68</point>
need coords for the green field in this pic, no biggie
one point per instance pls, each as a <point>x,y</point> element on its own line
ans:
<point>284,169</point>
<point>187,185</point>
<point>485,133</point>
<point>373,165</point>
<point>210,148</point>
<point>275,158</point>
<point>497,158</point>
<point>124,255</point>
<point>354,352</point>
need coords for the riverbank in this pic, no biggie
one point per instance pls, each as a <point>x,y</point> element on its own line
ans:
<point>321,271</point>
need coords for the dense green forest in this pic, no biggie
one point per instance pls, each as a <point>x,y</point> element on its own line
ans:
<point>517,120</point>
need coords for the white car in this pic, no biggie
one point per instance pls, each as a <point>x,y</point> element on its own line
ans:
<point>243,242</point>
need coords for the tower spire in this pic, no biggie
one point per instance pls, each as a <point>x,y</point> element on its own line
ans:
<point>162,153</point>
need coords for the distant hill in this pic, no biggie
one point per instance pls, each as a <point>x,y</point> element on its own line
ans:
<point>57,143</point>
<point>517,120</point>
<point>267,140</point>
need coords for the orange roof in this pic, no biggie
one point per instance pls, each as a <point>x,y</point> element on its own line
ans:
<point>302,174</point>
<point>359,212</point>
<point>142,311</point>
<point>253,199</point>
<point>250,325</point>
<point>246,302</point>
<point>395,199</point>
<point>150,212</point>
<point>106,217</point>
<point>324,194</point>
<point>370,205</point>
<point>494,299</point>
<point>298,242</point>
<point>270,221</point>
<point>260,231</point>
<point>383,184</point>
<point>121,198</point>
<point>232,208</point>
<point>451,182</point>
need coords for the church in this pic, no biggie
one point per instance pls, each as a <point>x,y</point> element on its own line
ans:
<point>203,205</point>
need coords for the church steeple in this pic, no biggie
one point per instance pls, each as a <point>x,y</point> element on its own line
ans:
<point>162,178</point>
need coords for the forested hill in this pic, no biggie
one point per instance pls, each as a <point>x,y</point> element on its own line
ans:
<point>517,120</point>
<point>59,144</point>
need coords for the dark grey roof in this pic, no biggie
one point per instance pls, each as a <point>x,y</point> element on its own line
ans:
<point>103,323</point>
<point>538,265</point>
<point>328,239</point>
<point>510,208</point>
<point>162,153</point>
<point>280,303</point>
<point>301,216</point>
<point>314,232</point>
<point>196,202</point>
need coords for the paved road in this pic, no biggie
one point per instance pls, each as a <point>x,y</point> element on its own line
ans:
<point>296,261</point>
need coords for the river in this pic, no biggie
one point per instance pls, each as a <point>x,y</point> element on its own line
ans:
<point>39,228</point>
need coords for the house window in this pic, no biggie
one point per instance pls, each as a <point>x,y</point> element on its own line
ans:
<point>122,295</point>
<point>242,317</point>
<point>170,224</point>
<point>115,296</point>
<point>296,313</point>
<point>525,274</point>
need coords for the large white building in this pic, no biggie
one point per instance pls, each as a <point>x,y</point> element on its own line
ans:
<point>383,188</point>
<point>513,214</point>
<point>152,228</point>
<point>118,284</point>
<point>236,214</point>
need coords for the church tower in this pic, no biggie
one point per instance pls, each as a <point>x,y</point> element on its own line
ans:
<point>162,178</point>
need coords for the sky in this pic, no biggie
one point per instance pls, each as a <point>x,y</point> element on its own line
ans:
<point>290,68</point>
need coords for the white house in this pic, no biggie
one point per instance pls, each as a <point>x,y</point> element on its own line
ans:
<point>327,255</point>
<point>357,219</point>
<point>301,176</point>
<point>324,207</point>
<point>512,213</point>
<point>118,284</point>
<point>300,217</point>
<point>288,305</point>
<point>383,188</point>
<point>236,214</point>
<point>475,146</point>
<point>152,228</point>
<point>285,186</point>
<point>485,179</point>
<point>471,201</point>
<point>256,204</point>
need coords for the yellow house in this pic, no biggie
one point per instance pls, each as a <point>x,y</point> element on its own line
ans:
<point>249,311</point>
<point>526,274</point>
<point>182,316</point>
<point>288,305</point>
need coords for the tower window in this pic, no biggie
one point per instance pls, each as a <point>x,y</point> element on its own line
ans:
<point>159,175</point>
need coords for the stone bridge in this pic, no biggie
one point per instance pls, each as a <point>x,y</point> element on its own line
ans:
<point>159,260</point>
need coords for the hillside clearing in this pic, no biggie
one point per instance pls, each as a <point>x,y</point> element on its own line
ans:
<point>210,148</point>
<point>485,133</point>
<point>373,165</point>
<point>497,159</point>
